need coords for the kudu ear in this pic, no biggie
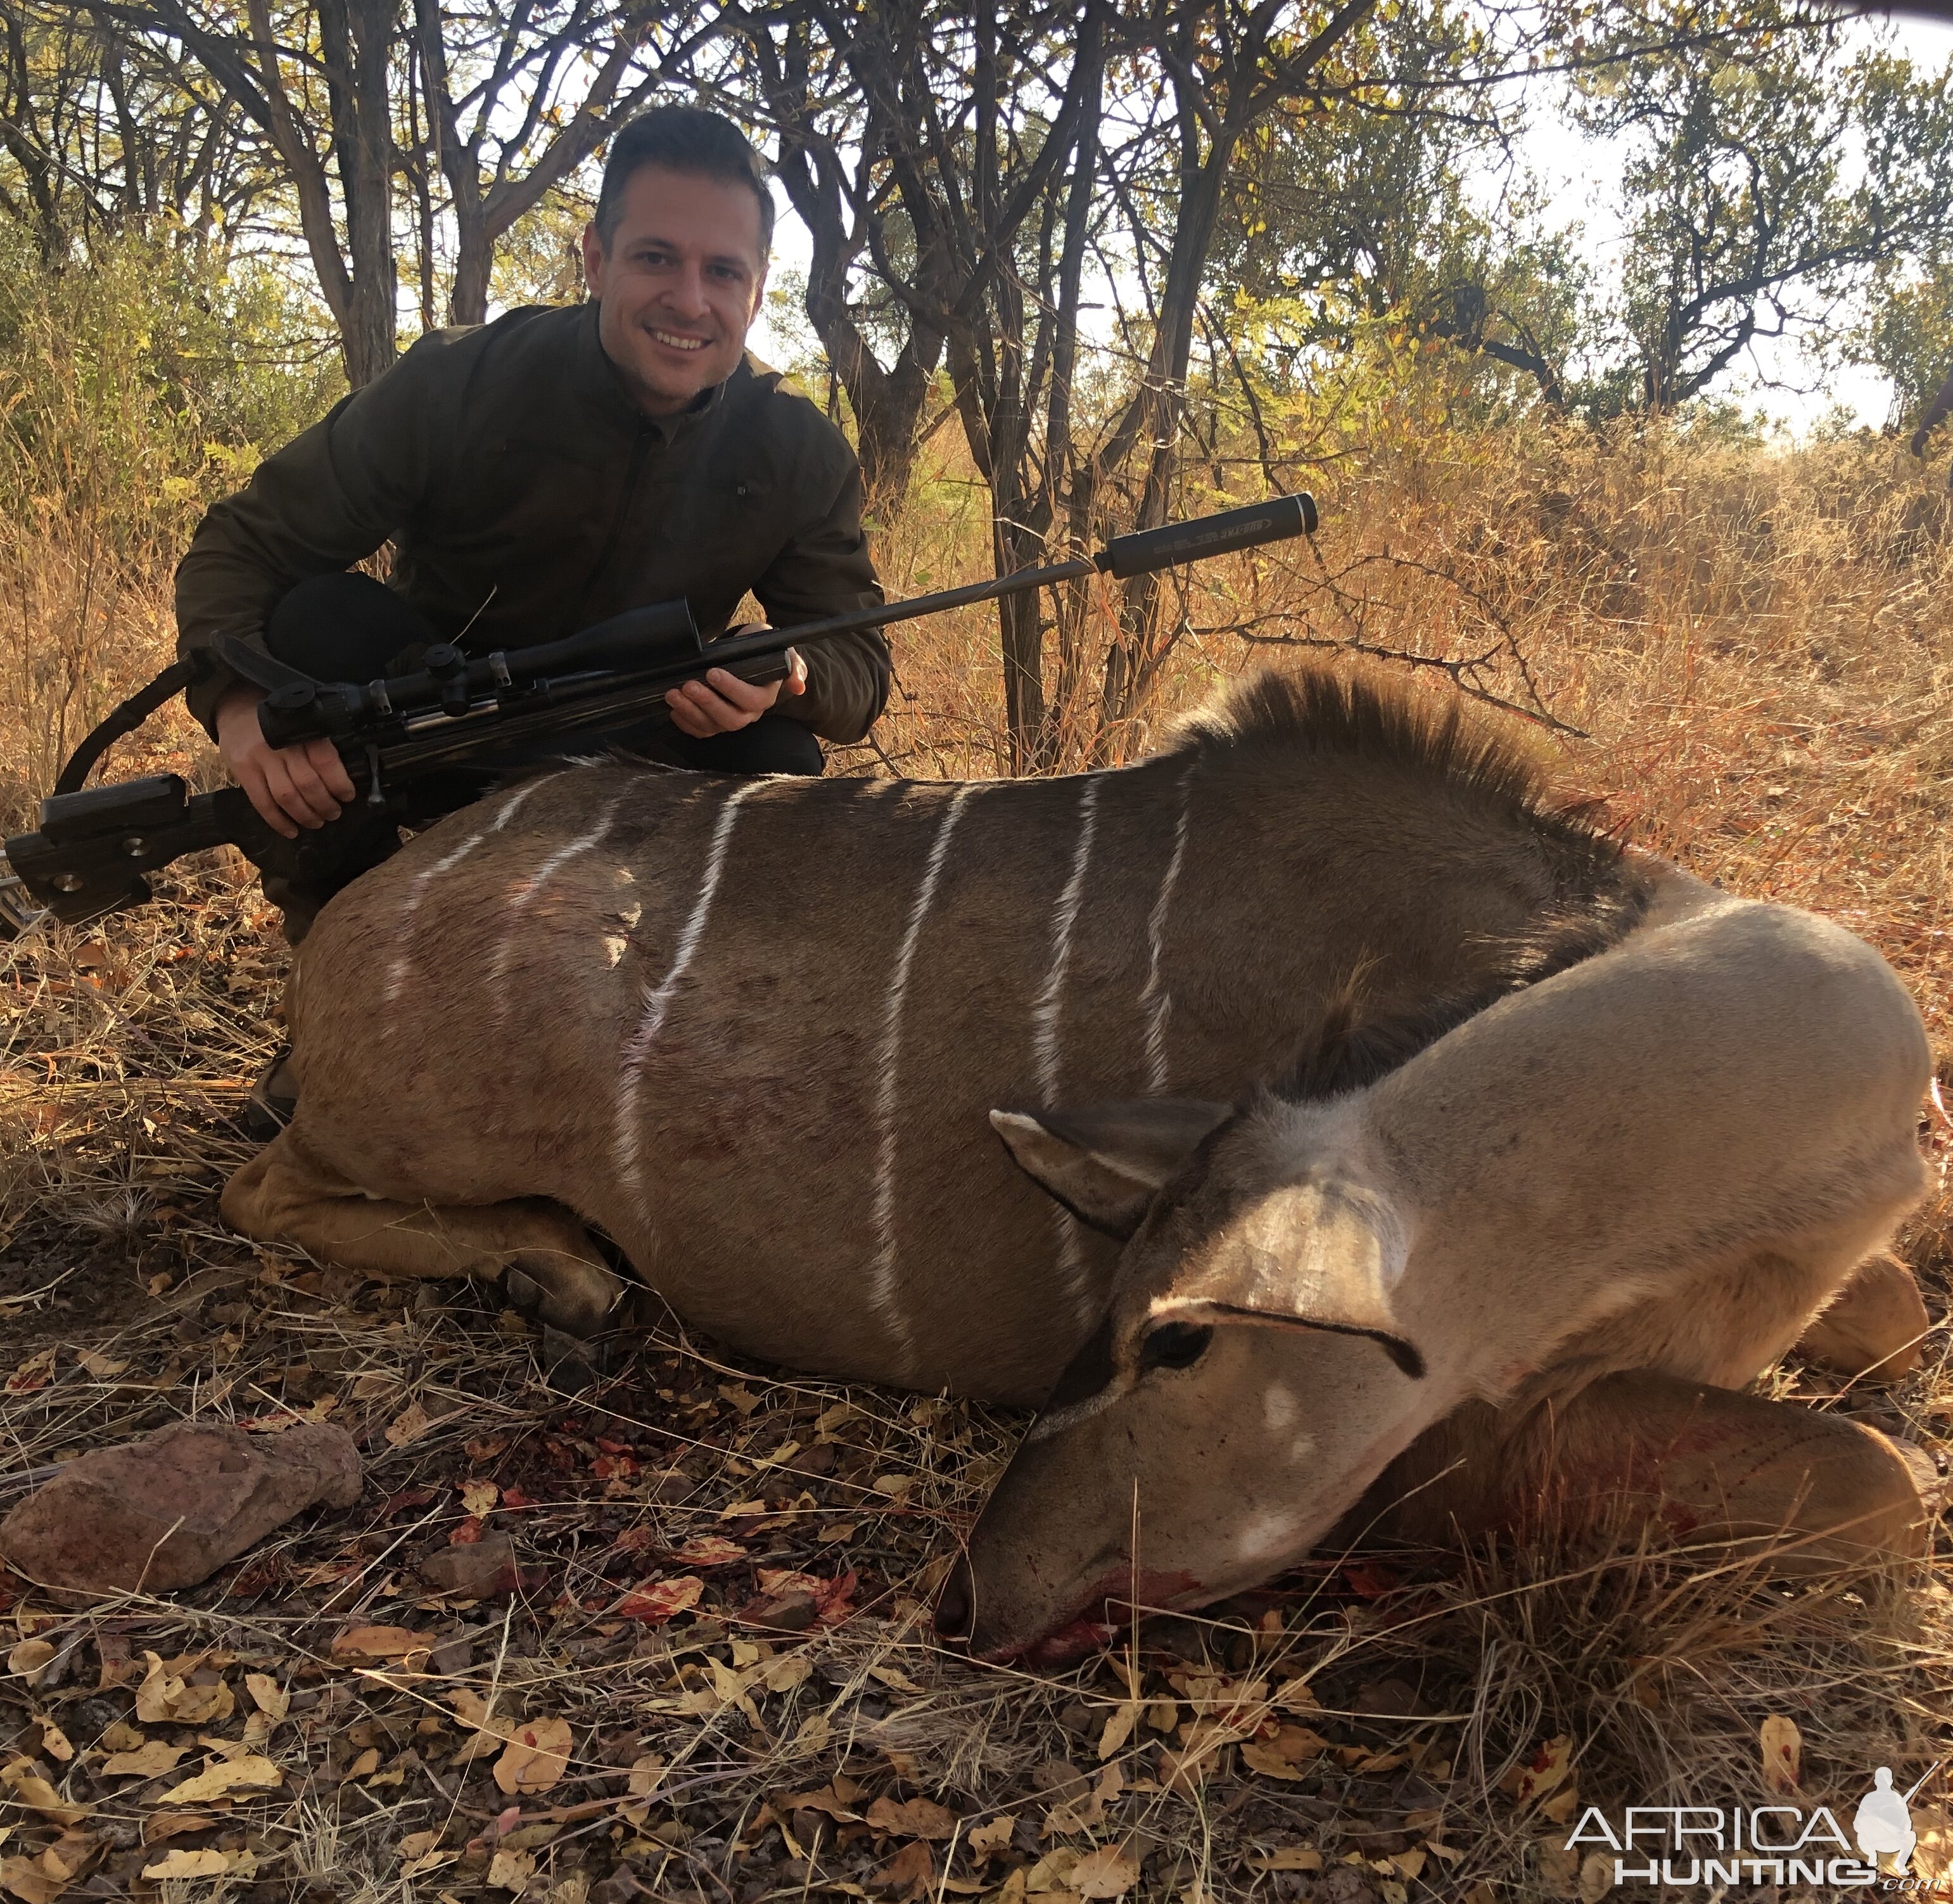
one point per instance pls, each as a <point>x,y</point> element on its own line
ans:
<point>1105,1162</point>
<point>1320,1255</point>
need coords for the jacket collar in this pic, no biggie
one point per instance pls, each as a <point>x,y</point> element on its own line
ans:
<point>599,384</point>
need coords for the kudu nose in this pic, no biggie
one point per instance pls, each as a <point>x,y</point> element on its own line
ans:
<point>956,1602</point>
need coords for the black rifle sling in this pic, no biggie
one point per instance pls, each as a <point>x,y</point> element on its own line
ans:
<point>125,719</point>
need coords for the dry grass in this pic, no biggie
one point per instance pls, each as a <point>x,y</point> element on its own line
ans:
<point>1759,652</point>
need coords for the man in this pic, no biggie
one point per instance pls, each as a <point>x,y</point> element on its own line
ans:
<point>1936,412</point>
<point>540,474</point>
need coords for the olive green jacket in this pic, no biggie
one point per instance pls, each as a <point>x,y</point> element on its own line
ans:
<point>527,497</point>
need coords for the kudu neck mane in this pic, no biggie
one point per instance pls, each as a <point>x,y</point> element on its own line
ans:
<point>1596,896</point>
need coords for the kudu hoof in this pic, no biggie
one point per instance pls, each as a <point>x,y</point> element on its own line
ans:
<point>578,1298</point>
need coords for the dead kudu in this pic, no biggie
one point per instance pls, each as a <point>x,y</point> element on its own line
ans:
<point>1575,1146</point>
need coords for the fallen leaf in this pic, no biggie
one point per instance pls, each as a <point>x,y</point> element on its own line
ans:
<point>200,1864</point>
<point>53,1741</point>
<point>783,1674</point>
<point>153,1757</point>
<point>511,1871</point>
<point>1107,1872</point>
<point>271,1698</point>
<point>30,1790</point>
<point>1559,1866</point>
<point>30,1656</point>
<point>1597,1877</point>
<point>470,1706</point>
<point>892,1677</point>
<point>1052,1871</point>
<point>478,1498</point>
<point>484,1744</point>
<point>365,1764</point>
<point>417,1844</point>
<point>1282,1754</point>
<point>35,1372</point>
<point>378,1642</point>
<point>409,1425</point>
<point>1781,1745</point>
<point>918,1818</point>
<point>710,1549</point>
<point>988,1840</point>
<point>1294,1695</point>
<point>1545,1771</point>
<point>537,1757</point>
<point>29,1882</point>
<point>226,1776</point>
<point>101,1365</point>
<point>1289,1858</point>
<point>829,1800</point>
<point>645,1772</point>
<point>910,1873</point>
<point>1118,1730</point>
<point>165,1696</point>
<point>662,1600</point>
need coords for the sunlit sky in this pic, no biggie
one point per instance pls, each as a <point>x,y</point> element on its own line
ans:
<point>1579,173</point>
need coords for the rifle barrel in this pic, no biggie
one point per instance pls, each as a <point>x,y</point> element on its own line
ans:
<point>741,647</point>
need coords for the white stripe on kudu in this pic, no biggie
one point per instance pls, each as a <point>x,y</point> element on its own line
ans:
<point>397,973</point>
<point>881,1291</point>
<point>1155,1000</point>
<point>659,1002</point>
<point>524,895</point>
<point>1044,1028</point>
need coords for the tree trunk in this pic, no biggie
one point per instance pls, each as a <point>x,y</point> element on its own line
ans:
<point>359,37</point>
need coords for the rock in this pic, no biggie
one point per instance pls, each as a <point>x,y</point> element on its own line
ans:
<point>791,1611</point>
<point>163,1513</point>
<point>472,1570</point>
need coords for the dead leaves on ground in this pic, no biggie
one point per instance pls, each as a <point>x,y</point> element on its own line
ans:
<point>537,1758</point>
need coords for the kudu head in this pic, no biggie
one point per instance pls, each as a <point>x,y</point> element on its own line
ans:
<point>1249,1380</point>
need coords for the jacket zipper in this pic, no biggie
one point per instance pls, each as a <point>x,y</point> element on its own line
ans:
<point>640,448</point>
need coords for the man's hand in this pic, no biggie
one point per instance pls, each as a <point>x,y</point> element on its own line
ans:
<point>723,703</point>
<point>291,787</point>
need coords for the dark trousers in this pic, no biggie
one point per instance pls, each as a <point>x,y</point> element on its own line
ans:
<point>349,627</point>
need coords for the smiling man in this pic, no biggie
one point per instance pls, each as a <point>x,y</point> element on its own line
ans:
<point>537,475</point>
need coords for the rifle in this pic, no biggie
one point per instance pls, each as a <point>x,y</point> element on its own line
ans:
<point>94,844</point>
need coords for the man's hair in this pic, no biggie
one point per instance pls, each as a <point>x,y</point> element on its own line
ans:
<point>688,140</point>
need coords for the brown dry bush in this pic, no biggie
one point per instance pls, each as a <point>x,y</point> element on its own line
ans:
<point>1747,654</point>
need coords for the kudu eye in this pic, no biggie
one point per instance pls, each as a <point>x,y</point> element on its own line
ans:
<point>1174,1345</point>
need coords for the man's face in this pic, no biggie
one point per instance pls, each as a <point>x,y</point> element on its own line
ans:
<point>678,285</point>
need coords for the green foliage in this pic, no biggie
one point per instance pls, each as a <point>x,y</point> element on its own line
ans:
<point>1766,178</point>
<point>137,390</point>
<point>1909,336</point>
<point>540,260</point>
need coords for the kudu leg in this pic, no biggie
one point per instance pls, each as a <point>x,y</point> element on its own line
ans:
<point>1874,1327</point>
<point>1644,1179</point>
<point>287,1194</point>
<point>1643,1457</point>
